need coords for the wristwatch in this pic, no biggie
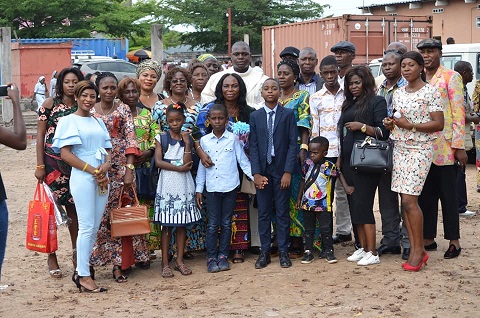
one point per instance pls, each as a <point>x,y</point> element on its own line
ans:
<point>414,128</point>
<point>364,128</point>
<point>130,166</point>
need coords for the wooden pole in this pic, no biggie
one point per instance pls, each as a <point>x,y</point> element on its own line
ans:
<point>6,71</point>
<point>156,44</point>
<point>229,13</point>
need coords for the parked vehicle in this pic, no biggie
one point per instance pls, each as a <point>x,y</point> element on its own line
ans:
<point>86,55</point>
<point>452,53</point>
<point>120,68</point>
<point>370,34</point>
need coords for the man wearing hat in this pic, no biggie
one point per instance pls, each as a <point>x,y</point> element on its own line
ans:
<point>290,53</point>
<point>308,80</point>
<point>449,151</point>
<point>344,52</point>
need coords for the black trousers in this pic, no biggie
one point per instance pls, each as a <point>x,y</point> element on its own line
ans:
<point>440,184</point>
<point>325,221</point>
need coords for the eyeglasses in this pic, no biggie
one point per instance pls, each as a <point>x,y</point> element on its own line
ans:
<point>176,81</point>
<point>393,51</point>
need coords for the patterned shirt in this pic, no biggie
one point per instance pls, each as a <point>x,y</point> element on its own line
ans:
<point>317,193</point>
<point>388,93</point>
<point>450,85</point>
<point>299,104</point>
<point>326,110</point>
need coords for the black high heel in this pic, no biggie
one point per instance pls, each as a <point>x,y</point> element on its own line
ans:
<point>76,280</point>
<point>120,278</point>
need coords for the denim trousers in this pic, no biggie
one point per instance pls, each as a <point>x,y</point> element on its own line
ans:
<point>220,207</point>
<point>3,231</point>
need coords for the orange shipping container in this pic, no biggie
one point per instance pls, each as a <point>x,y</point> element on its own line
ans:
<point>370,35</point>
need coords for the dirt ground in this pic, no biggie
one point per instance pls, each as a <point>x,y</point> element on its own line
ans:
<point>446,288</point>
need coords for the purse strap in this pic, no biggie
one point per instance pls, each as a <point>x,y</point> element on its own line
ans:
<point>135,198</point>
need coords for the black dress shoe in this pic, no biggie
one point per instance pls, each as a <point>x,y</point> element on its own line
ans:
<point>255,250</point>
<point>385,249</point>
<point>263,260</point>
<point>406,253</point>
<point>341,238</point>
<point>452,252</point>
<point>431,247</point>
<point>285,261</point>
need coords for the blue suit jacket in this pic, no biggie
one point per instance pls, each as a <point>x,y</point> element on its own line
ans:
<point>284,140</point>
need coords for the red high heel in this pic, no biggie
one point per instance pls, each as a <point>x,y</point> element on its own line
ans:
<point>408,267</point>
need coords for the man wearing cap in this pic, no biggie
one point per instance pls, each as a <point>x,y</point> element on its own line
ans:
<point>388,200</point>
<point>290,53</point>
<point>395,47</point>
<point>241,59</point>
<point>344,54</point>
<point>449,151</point>
<point>308,80</point>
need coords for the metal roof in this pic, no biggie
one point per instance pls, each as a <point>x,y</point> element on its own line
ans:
<point>394,3</point>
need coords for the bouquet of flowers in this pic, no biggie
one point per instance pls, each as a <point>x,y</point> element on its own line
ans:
<point>242,131</point>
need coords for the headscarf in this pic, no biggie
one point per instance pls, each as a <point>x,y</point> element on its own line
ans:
<point>149,65</point>
<point>40,78</point>
<point>206,56</point>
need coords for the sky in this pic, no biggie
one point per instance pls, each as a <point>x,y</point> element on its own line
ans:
<point>339,7</point>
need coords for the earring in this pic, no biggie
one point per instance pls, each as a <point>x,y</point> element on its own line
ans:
<point>98,96</point>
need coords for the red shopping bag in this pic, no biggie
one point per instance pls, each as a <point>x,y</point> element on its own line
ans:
<point>41,226</point>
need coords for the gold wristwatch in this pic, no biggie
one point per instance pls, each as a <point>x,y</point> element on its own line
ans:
<point>414,128</point>
<point>130,166</point>
<point>364,128</point>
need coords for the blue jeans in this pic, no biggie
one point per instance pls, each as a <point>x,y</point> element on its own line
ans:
<point>3,231</point>
<point>220,207</point>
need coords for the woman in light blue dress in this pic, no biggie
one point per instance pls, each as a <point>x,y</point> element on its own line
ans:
<point>84,143</point>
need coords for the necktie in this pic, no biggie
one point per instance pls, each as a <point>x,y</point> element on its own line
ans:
<point>270,137</point>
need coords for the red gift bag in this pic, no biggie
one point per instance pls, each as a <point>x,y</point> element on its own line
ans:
<point>41,226</point>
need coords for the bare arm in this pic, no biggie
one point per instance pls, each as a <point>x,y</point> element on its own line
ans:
<point>16,139</point>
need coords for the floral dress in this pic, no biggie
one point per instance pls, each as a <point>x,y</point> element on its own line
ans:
<point>195,231</point>
<point>118,250</point>
<point>146,128</point>
<point>57,171</point>
<point>299,104</point>
<point>413,151</point>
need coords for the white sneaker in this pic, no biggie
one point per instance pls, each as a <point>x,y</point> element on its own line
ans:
<point>2,287</point>
<point>369,259</point>
<point>468,213</point>
<point>357,255</point>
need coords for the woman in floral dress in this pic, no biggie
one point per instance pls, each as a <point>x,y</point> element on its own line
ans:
<point>51,169</point>
<point>177,84</point>
<point>122,252</point>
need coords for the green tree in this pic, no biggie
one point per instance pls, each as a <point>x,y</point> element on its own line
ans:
<point>79,18</point>
<point>209,19</point>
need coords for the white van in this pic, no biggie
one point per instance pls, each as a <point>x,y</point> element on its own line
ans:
<point>452,53</point>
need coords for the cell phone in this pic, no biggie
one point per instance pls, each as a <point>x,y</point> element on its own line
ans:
<point>3,90</point>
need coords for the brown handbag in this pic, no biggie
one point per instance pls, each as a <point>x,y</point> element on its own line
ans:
<point>129,220</point>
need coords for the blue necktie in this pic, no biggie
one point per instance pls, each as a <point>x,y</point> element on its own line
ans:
<point>270,137</point>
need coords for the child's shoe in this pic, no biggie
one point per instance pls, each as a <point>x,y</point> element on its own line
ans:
<point>322,253</point>
<point>330,257</point>
<point>307,257</point>
<point>222,264</point>
<point>212,266</point>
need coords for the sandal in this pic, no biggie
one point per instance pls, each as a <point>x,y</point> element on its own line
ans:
<point>167,272</point>
<point>238,257</point>
<point>183,269</point>
<point>57,272</point>
<point>120,278</point>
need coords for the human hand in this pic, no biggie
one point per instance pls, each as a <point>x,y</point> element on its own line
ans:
<point>206,160</point>
<point>185,137</point>
<point>128,178</point>
<point>298,204</point>
<point>146,154</point>
<point>402,122</point>
<point>389,123</point>
<point>260,181</point>
<point>462,158</point>
<point>285,182</point>
<point>186,167</point>
<point>13,93</point>
<point>349,189</point>
<point>40,175</point>
<point>354,125</point>
<point>199,200</point>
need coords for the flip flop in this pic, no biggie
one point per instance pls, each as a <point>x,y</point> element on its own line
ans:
<point>55,273</point>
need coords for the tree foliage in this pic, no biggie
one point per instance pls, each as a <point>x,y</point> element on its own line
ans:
<point>78,18</point>
<point>209,19</point>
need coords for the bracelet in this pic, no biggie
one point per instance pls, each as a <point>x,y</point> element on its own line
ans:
<point>187,152</point>
<point>95,171</point>
<point>40,167</point>
<point>85,167</point>
<point>198,147</point>
<point>304,147</point>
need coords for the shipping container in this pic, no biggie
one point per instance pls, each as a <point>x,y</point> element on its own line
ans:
<point>104,47</point>
<point>370,35</point>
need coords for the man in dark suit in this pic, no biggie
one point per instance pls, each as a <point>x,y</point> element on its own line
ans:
<point>273,152</point>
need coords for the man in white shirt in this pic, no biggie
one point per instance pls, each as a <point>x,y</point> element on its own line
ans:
<point>241,59</point>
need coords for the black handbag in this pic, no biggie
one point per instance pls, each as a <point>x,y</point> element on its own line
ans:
<point>372,155</point>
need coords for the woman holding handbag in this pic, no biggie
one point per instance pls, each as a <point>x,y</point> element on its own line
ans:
<point>362,116</point>
<point>82,142</point>
<point>125,251</point>
<point>419,116</point>
<point>146,128</point>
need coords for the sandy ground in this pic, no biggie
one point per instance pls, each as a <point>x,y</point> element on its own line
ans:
<point>446,288</point>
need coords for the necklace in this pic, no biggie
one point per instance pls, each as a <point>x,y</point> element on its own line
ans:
<point>108,113</point>
<point>68,105</point>
<point>148,96</point>
<point>283,100</point>
<point>184,101</point>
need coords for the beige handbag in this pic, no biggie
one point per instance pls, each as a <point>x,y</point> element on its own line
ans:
<point>247,185</point>
<point>129,220</point>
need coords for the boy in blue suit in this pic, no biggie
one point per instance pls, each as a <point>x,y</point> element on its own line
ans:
<point>273,153</point>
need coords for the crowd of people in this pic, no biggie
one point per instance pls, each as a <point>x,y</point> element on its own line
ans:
<point>248,162</point>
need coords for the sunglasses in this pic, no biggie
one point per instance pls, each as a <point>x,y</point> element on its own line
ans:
<point>176,81</point>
